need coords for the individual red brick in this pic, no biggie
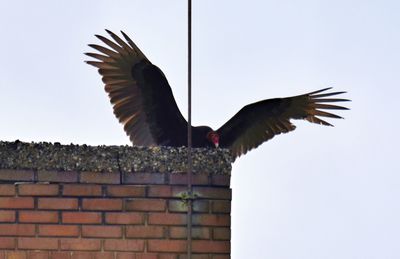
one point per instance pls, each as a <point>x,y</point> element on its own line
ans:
<point>204,246</point>
<point>144,178</point>
<point>102,231</point>
<point>38,216</point>
<point>16,255</point>
<point>57,176</point>
<point>2,255</point>
<point>17,230</point>
<point>16,203</point>
<point>221,220</point>
<point>92,255</point>
<point>7,216</point>
<point>221,180</point>
<point>221,233</point>
<point>81,190</point>
<point>221,207</point>
<point>126,191</point>
<point>38,255</point>
<point>145,205</point>
<point>96,177</point>
<point>58,203</point>
<point>7,243</point>
<point>36,243</point>
<point>181,179</point>
<point>59,230</point>
<point>166,245</point>
<point>38,189</point>
<point>81,217</point>
<point>7,190</point>
<point>17,175</point>
<point>181,233</point>
<point>145,232</point>
<point>60,255</point>
<point>159,191</point>
<point>213,192</point>
<point>124,218</point>
<point>80,244</point>
<point>123,245</point>
<point>167,219</point>
<point>102,204</point>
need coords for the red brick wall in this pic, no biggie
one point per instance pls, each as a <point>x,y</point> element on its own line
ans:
<point>49,214</point>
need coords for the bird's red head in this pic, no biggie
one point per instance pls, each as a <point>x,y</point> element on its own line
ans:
<point>213,137</point>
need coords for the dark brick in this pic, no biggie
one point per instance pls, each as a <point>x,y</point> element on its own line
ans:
<point>221,207</point>
<point>220,220</point>
<point>181,179</point>
<point>222,233</point>
<point>197,233</point>
<point>205,246</point>
<point>96,177</point>
<point>58,176</point>
<point>17,175</point>
<point>221,180</point>
<point>213,193</point>
<point>144,178</point>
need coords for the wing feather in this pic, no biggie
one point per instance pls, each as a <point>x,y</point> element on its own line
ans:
<point>139,92</point>
<point>258,122</point>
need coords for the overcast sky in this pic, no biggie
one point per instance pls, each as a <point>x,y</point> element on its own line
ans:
<point>318,192</point>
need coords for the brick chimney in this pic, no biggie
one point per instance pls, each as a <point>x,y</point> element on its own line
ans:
<point>69,201</point>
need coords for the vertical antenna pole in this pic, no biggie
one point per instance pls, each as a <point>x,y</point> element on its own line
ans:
<point>189,204</point>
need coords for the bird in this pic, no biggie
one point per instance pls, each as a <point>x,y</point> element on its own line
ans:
<point>143,102</point>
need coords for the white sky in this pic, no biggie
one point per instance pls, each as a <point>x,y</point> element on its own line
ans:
<point>318,192</point>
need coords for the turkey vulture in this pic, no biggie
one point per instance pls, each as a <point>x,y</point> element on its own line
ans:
<point>143,102</point>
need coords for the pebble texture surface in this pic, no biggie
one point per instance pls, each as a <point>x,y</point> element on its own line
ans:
<point>103,159</point>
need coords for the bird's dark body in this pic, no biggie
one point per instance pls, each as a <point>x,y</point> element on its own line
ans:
<point>143,101</point>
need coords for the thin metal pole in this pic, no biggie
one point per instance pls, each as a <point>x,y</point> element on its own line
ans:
<point>189,215</point>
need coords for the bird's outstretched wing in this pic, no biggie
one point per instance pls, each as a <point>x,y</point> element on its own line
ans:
<point>139,92</point>
<point>258,122</point>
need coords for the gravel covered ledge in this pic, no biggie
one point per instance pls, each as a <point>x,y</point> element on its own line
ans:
<point>49,157</point>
